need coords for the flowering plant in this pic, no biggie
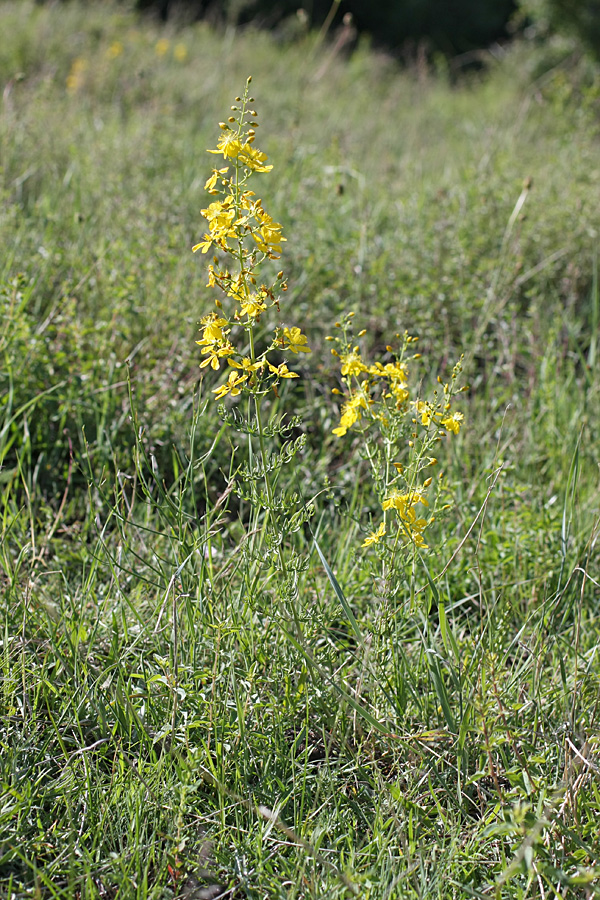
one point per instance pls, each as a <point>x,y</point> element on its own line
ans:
<point>400,429</point>
<point>400,432</point>
<point>245,239</point>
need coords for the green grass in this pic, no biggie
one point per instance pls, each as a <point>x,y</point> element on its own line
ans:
<point>163,725</point>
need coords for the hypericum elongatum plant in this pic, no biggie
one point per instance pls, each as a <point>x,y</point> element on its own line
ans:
<point>401,432</point>
<point>245,239</point>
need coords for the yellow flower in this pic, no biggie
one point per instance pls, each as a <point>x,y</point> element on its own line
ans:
<point>352,364</point>
<point>204,245</point>
<point>453,422</point>
<point>397,500</point>
<point>215,352</point>
<point>404,505</point>
<point>253,159</point>
<point>375,536</point>
<point>76,76</point>
<point>268,237</point>
<point>418,539</point>
<point>220,217</point>
<point>297,342</point>
<point>350,414</point>
<point>212,330</point>
<point>180,52</point>
<point>210,184</point>
<point>254,304</point>
<point>228,144</point>
<point>219,214</point>
<point>394,371</point>
<point>247,365</point>
<point>399,391</point>
<point>247,203</point>
<point>417,496</point>
<point>161,47</point>
<point>423,409</point>
<point>115,49</point>
<point>232,386</point>
<point>282,371</point>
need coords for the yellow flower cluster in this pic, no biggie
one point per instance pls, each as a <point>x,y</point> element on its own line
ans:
<point>351,412</point>
<point>362,380</point>
<point>163,45</point>
<point>77,74</point>
<point>427,414</point>
<point>377,399</point>
<point>239,228</point>
<point>404,504</point>
<point>394,378</point>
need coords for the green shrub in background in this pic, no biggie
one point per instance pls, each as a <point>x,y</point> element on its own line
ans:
<point>582,17</point>
<point>579,18</point>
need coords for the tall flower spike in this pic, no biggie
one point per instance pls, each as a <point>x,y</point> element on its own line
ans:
<point>240,229</point>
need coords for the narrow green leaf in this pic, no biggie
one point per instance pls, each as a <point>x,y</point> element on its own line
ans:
<point>339,592</point>
<point>440,689</point>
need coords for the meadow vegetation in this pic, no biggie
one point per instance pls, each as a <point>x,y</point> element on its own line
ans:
<point>295,624</point>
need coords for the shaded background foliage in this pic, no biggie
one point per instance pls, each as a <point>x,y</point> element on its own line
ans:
<point>441,26</point>
<point>449,27</point>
